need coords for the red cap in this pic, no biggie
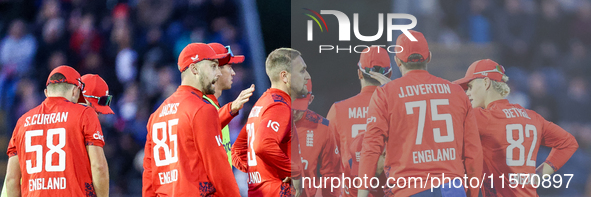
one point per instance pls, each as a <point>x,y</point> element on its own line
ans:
<point>96,88</point>
<point>196,52</point>
<point>71,76</point>
<point>411,47</point>
<point>481,69</point>
<point>376,59</point>
<point>231,59</point>
<point>302,103</point>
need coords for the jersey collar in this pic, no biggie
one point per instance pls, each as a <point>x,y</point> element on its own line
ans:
<point>281,93</point>
<point>53,100</point>
<point>369,89</point>
<point>212,98</point>
<point>190,89</point>
<point>414,72</point>
<point>497,102</point>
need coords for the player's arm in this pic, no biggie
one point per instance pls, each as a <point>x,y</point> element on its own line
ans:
<point>296,161</point>
<point>206,127</point>
<point>226,115</point>
<point>563,146</point>
<point>332,118</point>
<point>330,165</point>
<point>230,110</point>
<point>13,177</point>
<point>239,151</point>
<point>274,129</point>
<point>100,170</point>
<point>375,137</point>
<point>147,187</point>
<point>472,148</point>
<point>380,164</point>
<point>13,170</point>
<point>94,146</point>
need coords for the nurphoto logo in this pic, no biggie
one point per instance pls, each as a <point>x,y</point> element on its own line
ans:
<point>344,30</point>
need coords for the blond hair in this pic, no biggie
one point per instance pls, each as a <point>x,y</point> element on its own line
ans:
<point>280,60</point>
<point>502,87</point>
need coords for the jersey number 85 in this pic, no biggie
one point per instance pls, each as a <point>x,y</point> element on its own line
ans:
<point>168,142</point>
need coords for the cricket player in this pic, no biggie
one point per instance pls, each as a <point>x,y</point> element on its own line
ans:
<point>320,155</point>
<point>230,110</point>
<point>184,154</point>
<point>511,134</point>
<point>51,141</point>
<point>426,126</point>
<point>263,148</point>
<point>348,117</point>
<point>96,93</point>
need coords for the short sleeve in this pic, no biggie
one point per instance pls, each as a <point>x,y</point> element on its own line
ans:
<point>11,147</point>
<point>91,129</point>
<point>12,151</point>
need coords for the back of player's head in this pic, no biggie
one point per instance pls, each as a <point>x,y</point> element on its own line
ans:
<point>59,87</point>
<point>280,60</point>
<point>62,80</point>
<point>375,59</point>
<point>415,54</point>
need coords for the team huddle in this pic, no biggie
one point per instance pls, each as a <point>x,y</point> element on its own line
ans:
<point>418,125</point>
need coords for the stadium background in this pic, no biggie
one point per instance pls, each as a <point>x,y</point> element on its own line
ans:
<point>133,45</point>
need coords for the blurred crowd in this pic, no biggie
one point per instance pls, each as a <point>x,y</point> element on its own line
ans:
<point>133,45</point>
<point>545,47</point>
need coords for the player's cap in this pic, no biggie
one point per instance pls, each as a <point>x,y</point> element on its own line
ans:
<point>196,52</point>
<point>71,76</point>
<point>409,47</point>
<point>231,59</point>
<point>97,93</point>
<point>481,69</point>
<point>301,103</point>
<point>375,59</point>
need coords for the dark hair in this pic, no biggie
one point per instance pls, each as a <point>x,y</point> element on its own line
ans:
<point>415,65</point>
<point>60,85</point>
<point>57,76</point>
<point>371,81</point>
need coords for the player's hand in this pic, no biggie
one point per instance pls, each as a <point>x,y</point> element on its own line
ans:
<point>242,98</point>
<point>362,193</point>
<point>542,170</point>
<point>287,180</point>
<point>297,185</point>
<point>381,78</point>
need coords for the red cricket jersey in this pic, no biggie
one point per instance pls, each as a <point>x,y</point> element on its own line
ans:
<point>320,157</point>
<point>426,125</point>
<point>347,119</point>
<point>263,147</point>
<point>50,141</point>
<point>184,149</point>
<point>355,151</point>
<point>511,136</point>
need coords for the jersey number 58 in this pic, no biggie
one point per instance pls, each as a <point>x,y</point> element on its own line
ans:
<point>53,149</point>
